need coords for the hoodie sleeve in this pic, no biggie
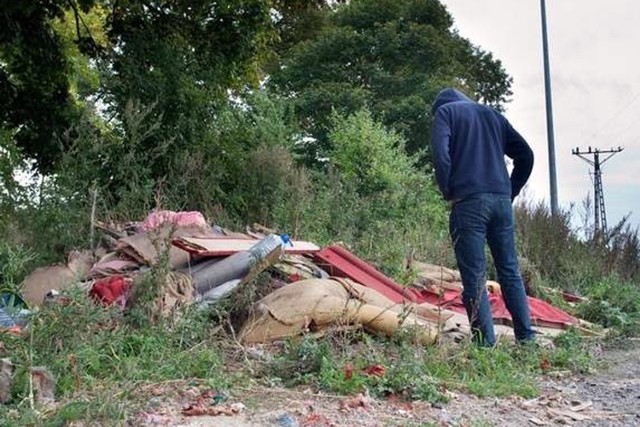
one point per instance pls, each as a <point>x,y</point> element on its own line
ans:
<point>517,149</point>
<point>440,140</point>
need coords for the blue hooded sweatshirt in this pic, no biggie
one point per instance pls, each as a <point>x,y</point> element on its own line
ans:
<point>469,142</point>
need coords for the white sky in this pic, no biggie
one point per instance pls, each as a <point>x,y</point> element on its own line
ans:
<point>595,80</point>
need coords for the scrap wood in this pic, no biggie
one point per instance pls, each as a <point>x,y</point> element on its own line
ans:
<point>538,421</point>
<point>112,267</point>
<point>224,246</point>
<point>146,247</point>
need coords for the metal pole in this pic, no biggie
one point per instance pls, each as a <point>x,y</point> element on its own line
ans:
<point>553,186</point>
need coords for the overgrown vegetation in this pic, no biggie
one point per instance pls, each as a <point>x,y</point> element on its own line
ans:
<point>100,361</point>
<point>605,270</point>
<point>355,362</point>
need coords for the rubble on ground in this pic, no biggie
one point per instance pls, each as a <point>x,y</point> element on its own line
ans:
<point>319,287</point>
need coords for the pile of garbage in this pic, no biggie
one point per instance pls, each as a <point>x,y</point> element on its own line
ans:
<point>323,286</point>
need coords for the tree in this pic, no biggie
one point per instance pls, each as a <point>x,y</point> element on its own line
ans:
<point>391,56</point>
<point>180,56</point>
<point>34,78</point>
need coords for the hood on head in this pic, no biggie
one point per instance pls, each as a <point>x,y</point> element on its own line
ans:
<point>449,95</point>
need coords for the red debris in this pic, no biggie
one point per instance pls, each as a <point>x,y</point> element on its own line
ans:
<point>375,370</point>
<point>359,401</point>
<point>348,371</point>
<point>107,291</point>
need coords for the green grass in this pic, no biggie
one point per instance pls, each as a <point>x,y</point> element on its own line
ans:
<point>102,360</point>
<point>99,360</point>
<point>423,373</point>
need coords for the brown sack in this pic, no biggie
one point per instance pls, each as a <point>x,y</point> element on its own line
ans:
<point>318,303</point>
<point>56,277</point>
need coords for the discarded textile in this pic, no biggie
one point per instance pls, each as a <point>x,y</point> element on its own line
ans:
<point>313,305</point>
<point>159,217</point>
<point>174,292</point>
<point>111,290</point>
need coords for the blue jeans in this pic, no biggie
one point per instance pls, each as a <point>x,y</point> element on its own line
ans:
<point>480,217</point>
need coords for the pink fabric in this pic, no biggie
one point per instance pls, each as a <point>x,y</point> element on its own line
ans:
<point>156,218</point>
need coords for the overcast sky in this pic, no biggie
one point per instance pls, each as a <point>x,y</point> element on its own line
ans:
<point>595,80</point>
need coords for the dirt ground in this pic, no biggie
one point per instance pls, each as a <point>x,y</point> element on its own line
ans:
<point>610,397</point>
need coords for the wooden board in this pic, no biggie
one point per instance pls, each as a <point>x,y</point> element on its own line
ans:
<point>217,246</point>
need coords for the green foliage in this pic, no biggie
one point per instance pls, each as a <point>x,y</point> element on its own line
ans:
<point>61,56</point>
<point>613,303</point>
<point>369,156</point>
<point>389,56</point>
<point>602,269</point>
<point>34,83</point>
<point>103,356</point>
<point>15,264</point>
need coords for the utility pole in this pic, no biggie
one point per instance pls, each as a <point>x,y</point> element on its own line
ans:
<point>599,212</point>
<point>553,185</point>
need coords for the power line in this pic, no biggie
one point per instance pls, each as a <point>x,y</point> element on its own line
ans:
<point>615,116</point>
<point>599,211</point>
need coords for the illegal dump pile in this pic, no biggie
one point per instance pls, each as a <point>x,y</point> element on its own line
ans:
<point>65,350</point>
<point>314,288</point>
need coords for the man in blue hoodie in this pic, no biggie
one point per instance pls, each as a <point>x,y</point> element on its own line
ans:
<point>469,142</point>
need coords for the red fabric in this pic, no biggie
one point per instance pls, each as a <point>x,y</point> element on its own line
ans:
<point>107,291</point>
<point>342,263</point>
